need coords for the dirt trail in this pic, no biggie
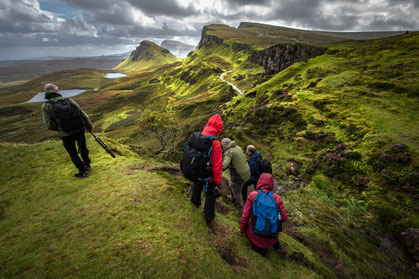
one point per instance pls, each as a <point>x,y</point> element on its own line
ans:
<point>269,155</point>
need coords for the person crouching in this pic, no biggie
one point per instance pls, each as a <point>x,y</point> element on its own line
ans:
<point>265,185</point>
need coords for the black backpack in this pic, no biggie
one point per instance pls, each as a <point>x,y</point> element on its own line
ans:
<point>67,116</point>
<point>265,166</point>
<point>196,160</point>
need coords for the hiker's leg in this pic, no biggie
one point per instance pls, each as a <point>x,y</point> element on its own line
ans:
<point>69,143</point>
<point>277,245</point>
<point>244,190</point>
<point>236,188</point>
<point>84,152</point>
<point>196,193</point>
<point>210,201</point>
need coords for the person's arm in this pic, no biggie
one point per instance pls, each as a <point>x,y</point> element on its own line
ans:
<point>216,162</point>
<point>247,210</point>
<point>46,116</point>
<point>254,169</point>
<point>281,207</point>
<point>227,159</point>
<point>84,115</point>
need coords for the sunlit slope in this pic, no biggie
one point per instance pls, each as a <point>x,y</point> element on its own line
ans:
<point>148,55</point>
<point>129,218</point>
<point>342,129</point>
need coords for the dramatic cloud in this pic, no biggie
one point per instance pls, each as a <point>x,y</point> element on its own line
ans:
<point>67,27</point>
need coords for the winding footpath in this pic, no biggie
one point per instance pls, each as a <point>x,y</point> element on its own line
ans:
<point>232,85</point>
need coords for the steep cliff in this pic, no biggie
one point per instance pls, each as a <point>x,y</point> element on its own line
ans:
<point>207,39</point>
<point>280,57</point>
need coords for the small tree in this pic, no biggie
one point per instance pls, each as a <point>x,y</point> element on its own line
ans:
<point>163,125</point>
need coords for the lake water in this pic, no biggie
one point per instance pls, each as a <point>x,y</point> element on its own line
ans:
<point>40,97</point>
<point>114,75</point>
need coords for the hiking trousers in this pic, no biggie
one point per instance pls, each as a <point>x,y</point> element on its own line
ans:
<point>209,197</point>
<point>245,186</point>
<point>236,187</point>
<point>69,143</point>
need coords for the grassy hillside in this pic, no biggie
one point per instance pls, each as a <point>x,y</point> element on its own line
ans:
<point>129,218</point>
<point>340,130</point>
<point>148,55</point>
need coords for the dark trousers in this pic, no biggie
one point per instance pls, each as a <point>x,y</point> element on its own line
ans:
<point>69,143</point>
<point>209,197</point>
<point>244,190</point>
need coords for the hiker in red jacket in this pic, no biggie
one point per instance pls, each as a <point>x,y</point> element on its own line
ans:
<point>213,128</point>
<point>265,180</point>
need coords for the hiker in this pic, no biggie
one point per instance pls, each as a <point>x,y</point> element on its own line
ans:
<point>254,159</point>
<point>212,186</point>
<point>65,116</point>
<point>266,185</point>
<point>235,160</point>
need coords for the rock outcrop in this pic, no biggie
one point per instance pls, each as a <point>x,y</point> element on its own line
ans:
<point>206,39</point>
<point>280,57</point>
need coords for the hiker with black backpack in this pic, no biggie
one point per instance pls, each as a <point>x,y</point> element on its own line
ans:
<point>263,215</point>
<point>65,116</point>
<point>254,159</point>
<point>257,166</point>
<point>202,163</point>
<point>235,160</point>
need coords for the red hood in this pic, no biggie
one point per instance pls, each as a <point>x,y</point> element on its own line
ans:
<point>265,180</point>
<point>214,126</point>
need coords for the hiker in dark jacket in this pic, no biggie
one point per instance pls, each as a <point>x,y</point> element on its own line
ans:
<point>213,128</point>
<point>265,184</point>
<point>235,160</point>
<point>69,139</point>
<point>254,159</point>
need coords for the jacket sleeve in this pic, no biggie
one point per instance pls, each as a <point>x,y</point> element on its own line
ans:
<point>217,162</point>
<point>83,114</point>
<point>247,211</point>
<point>254,170</point>
<point>281,206</point>
<point>227,159</point>
<point>46,116</point>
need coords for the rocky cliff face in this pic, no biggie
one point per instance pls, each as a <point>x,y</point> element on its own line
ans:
<point>206,39</point>
<point>147,50</point>
<point>280,57</point>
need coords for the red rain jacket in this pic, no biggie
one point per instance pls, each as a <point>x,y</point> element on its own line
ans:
<point>213,128</point>
<point>265,179</point>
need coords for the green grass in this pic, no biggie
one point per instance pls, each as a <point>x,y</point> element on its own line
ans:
<point>124,220</point>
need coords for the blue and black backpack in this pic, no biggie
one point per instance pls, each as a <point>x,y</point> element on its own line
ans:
<point>196,160</point>
<point>265,215</point>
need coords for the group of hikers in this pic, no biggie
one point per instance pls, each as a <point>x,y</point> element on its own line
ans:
<point>203,163</point>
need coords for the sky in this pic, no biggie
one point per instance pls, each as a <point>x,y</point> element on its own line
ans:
<point>40,28</point>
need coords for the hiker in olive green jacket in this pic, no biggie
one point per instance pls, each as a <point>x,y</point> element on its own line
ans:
<point>69,137</point>
<point>235,159</point>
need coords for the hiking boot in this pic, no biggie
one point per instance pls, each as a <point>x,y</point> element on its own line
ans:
<point>87,167</point>
<point>81,174</point>
<point>280,251</point>
<point>209,219</point>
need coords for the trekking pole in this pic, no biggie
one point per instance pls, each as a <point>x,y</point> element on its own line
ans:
<point>103,144</point>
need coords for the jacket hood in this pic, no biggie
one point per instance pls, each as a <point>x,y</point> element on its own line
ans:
<point>255,155</point>
<point>214,126</point>
<point>265,180</point>
<point>231,144</point>
<point>52,94</point>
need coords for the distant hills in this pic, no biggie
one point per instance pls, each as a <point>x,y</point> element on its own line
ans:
<point>11,71</point>
<point>177,48</point>
<point>147,55</point>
